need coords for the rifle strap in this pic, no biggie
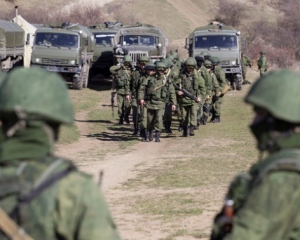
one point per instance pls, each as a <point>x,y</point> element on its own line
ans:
<point>11,229</point>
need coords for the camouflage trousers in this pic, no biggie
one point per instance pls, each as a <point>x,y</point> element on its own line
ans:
<point>189,115</point>
<point>124,107</point>
<point>155,119</point>
<point>207,106</point>
<point>217,102</point>
<point>143,117</point>
<point>168,113</point>
<point>244,73</point>
<point>199,111</point>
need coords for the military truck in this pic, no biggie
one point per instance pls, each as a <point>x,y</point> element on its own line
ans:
<point>220,41</point>
<point>66,49</point>
<point>139,40</point>
<point>103,54</point>
<point>12,43</point>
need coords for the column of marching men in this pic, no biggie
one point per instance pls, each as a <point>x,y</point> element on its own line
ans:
<point>193,90</point>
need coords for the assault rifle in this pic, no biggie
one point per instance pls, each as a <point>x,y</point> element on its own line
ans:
<point>185,92</point>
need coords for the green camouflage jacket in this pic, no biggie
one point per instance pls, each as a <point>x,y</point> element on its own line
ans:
<point>46,195</point>
<point>266,199</point>
<point>220,74</point>
<point>262,63</point>
<point>123,81</point>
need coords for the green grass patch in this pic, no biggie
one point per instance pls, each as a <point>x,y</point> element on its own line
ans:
<point>68,134</point>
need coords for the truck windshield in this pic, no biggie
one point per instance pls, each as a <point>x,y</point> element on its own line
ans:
<point>138,39</point>
<point>103,38</point>
<point>216,41</point>
<point>56,39</point>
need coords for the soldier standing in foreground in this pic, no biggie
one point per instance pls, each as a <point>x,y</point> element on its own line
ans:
<point>263,203</point>
<point>122,83</point>
<point>246,62</point>
<point>44,196</point>
<point>262,63</point>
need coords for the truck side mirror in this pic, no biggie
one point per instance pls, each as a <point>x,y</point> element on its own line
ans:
<point>27,39</point>
<point>187,43</point>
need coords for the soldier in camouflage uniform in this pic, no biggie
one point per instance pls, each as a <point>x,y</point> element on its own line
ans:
<point>159,91</point>
<point>263,203</point>
<point>150,70</point>
<point>217,100</point>
<point>262,63</point>
<point>191,81</point>
<point>44,195</point>
<point>137,79</point>
<point>212,90</point>
<point>122,83</point>
<point>246,62</point>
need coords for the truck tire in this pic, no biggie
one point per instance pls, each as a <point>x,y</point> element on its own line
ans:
<point>77,81</point>
<point>238,82</point>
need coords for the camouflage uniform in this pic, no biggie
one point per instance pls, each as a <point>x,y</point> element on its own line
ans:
<point>262,63</point>
<point>159,91</point>
<point>138,76</point>
<point>191,81</point>
<point>263,203</point>
<point>45,195</point>
<point>122,83</point>
<point>217,100</point>
<point>246,62</point>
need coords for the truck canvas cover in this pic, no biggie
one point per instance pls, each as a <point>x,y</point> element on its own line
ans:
<point>11,35</point>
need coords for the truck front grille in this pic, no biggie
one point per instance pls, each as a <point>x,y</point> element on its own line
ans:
<point>136,55</point>
<point>48,61</point>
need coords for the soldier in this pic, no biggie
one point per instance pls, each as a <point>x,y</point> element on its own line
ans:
<point>246,62</point>
<point>262,63</point>
<point>158,91</point>
<point>41,195</point>
<point>150,70</point>
<point>191,81</point>
<point>263,203</point>
<point>122,83</point>
<point>212,90</point>
<point>217,100</point>
<point>138,75</point>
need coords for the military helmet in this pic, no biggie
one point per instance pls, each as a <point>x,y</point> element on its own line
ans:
<point>215,60</point>
<point>127,58</point>
<point>262,52</point>
<point>206,55</point>
<point>207,63</point>
<point>191,62</point>
<point>276,92</point>
<point>199,58</point>
<point>181,60</point>
<point>150,66</point>
<point>167,62</point>
<point>170,57</point>
<point>144,59</point>
<point>40,94</point>
<point>175,54</point>
<point>160,65</point>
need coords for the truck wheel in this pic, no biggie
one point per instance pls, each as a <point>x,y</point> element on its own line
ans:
<point>77,81</point>
<point>238,82</point>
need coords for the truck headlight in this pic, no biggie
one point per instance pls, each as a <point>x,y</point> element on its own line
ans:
<point>72,62</point>
<point>233,63</point>
<point>37,60</point>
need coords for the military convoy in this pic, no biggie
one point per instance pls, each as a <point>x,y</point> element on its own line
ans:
<point>139,40</point>
<point>66,49</point>
<point>220,41</point>
<point>12,45</point>
<point>103,54</point>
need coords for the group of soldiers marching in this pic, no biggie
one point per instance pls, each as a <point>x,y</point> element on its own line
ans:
<point>193,89</point>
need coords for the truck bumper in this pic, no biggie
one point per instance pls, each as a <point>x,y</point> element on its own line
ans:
<point>58,69</point>
<point>232,70</point>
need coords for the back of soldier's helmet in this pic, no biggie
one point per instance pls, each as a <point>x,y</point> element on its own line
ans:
<point>37,94</point>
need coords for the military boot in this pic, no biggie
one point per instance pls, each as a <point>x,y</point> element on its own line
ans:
<point>217,119</point>
<point>150,137</point>
<point>144,135</point>
<point>213,117</point>
<point>121,120</point>
<point>180,127</point>
<point>126,118</point>
<point>192,133</point>
<point>204,119</point>
<point>168,127</point>
<point>157,136</point>
<point>185,131</point>
<point>136,130</point>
